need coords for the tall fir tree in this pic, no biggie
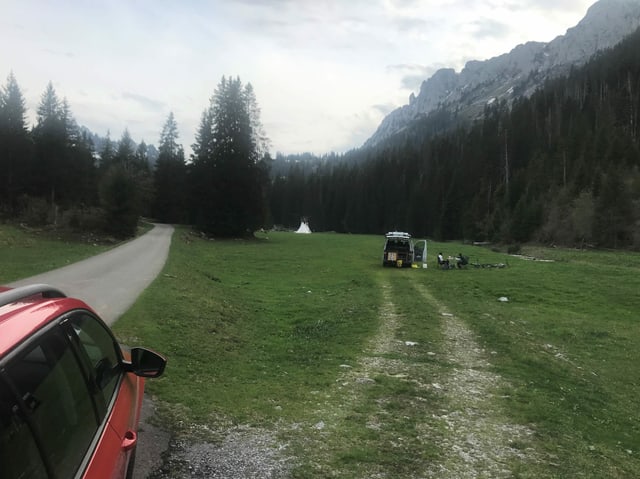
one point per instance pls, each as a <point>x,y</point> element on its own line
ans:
<point>126,151</point>
<point>77,163</point>
<point>227,180</point>
<point>170,176</point>
<point>15,146</point>
<point>258,135</point>
<point>107,154</point>
<point>50,142</point>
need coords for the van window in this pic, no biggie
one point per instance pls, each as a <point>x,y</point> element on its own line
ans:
<point>56,399</point>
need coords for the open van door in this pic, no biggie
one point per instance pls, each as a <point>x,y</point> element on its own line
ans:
<point>420,252</point>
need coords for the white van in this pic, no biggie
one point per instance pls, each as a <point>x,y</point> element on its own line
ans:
<point>401,251</point>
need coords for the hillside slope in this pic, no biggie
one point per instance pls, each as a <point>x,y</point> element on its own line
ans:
<point>517,73</point>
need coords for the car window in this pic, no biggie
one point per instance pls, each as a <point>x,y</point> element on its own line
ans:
<point>56,400</point>
<point>19,455</point>
<point>102,352</point>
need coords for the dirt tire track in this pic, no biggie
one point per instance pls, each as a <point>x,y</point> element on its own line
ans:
<point>481,442</point>
<point>474,435</point>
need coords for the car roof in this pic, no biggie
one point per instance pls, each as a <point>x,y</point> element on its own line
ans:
<point>398,235</point>
<point>25,310</point>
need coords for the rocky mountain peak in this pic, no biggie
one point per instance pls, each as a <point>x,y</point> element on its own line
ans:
<point>522,70</point>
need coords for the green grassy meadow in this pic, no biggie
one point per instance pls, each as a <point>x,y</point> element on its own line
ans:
<point>26,253</point>
<point>365,371</point>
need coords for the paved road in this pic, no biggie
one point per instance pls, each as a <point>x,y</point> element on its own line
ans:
<point>110,283</point>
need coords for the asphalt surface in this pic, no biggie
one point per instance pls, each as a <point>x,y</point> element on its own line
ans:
<point>110,283</point>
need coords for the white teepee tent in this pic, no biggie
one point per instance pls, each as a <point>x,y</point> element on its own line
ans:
<point>304,227</point>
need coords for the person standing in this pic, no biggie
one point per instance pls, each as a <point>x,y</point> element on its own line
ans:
<point>443,263</point>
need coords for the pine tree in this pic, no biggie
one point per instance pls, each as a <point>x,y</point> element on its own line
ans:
<point>49,110</point>
<point>144,178</point>
<point>169,146</point>
<point>259,138</point>
<point>63,170</point>
<point>15,146</point>
<point>141,156</point>
<point>61,161</point>
<point>227,180</point>
<point>77,181</point>
<point>107,154</point>
<point>119,199</point>
<point>125,153</point>
<point>170,176</point>
<point>50,142</point>
<point>125,188</point>
<point>70,129</point>
<point>613,212</point>
<point>85,191</point>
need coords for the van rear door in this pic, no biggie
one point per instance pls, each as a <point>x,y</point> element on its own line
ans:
<point>420,252</point>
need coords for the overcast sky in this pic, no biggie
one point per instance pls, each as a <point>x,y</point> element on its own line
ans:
<point>325,72</point>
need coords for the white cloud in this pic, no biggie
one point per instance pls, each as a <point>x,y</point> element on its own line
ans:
<point>321,69</point>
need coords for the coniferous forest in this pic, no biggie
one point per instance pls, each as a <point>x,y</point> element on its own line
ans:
<point>559,167</point>
<point>53,174</point>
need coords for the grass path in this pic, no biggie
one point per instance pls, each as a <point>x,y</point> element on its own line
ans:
<point>396,414</point>
<point>355,427</point>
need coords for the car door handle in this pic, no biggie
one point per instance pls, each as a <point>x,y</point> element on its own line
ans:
<point>130,440</point>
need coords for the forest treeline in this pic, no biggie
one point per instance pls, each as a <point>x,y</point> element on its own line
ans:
<point>559,167</point>
<point>52,174</point>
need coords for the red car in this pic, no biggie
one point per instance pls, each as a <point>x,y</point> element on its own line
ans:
<point>70,395</point>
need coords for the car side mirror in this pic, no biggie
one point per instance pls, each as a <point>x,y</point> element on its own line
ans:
<point>145,363</point>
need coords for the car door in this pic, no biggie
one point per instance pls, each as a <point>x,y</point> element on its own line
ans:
<point>48,393</point>
<point>118,395</point>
